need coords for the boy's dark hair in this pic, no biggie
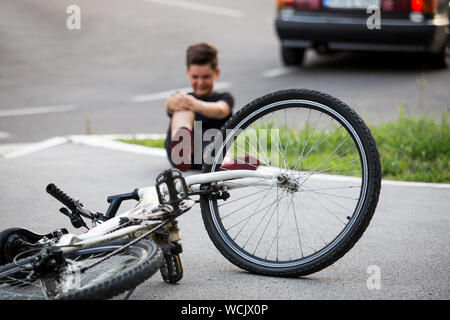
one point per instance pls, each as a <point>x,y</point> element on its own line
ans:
<point>201,54</point>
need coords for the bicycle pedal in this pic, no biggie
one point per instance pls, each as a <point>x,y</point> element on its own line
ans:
<point>172,269</point>
<point>167,184</point>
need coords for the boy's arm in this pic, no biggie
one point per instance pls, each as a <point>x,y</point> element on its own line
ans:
<point>214,110</point>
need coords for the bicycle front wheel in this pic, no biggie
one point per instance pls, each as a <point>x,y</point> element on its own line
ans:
<point>325,188</point>
<point>87,274</point>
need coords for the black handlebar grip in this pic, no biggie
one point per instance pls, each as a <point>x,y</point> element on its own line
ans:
<point>61,196</point>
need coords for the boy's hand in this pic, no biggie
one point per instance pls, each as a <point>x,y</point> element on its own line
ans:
<point>187,102</point>
<point>183,101</point>
<point>193,104</point>
<point>176,102</point>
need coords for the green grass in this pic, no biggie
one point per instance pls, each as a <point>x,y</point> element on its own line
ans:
<point>306,148</point>
<point>412,148</point>
<point>153,143</point>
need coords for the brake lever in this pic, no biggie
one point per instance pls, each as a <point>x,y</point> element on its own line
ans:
<point>74,217</point>
<point>83,211</point>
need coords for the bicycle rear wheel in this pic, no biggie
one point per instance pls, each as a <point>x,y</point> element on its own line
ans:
<point>86,275</point>
<point>325,188</point>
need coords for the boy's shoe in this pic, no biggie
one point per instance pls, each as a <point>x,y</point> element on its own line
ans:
<point>241,163</point>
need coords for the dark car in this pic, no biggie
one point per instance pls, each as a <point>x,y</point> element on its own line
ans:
<point>364,25</point>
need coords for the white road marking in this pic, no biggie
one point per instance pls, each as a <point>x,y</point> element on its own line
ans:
<point>36,110</point>
<point>35,147</point>
<point>166,94</point>
<point>10,151</point>
<point>277,72</point>
<point>128,136</point>
<point>191,5</point>
<point>4,135</point>
<point>7,148</point>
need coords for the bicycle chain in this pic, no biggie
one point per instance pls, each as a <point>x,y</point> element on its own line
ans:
<point>109,255</point>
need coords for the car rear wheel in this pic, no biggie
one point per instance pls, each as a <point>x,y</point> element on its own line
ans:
<point>292,56</point>
<point>441,59</point>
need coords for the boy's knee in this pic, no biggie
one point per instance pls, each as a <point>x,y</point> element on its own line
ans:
<point>184,113</point>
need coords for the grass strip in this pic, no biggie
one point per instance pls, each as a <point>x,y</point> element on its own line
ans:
<point>412,148</point>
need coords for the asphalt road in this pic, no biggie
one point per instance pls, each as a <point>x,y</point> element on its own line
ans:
<point>111,75</point>
<point>407,240</point>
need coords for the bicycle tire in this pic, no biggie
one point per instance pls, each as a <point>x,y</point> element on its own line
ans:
<point>370,176</point>
<point>148,260</point>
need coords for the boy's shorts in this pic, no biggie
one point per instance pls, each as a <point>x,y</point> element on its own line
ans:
<point>197,162</point>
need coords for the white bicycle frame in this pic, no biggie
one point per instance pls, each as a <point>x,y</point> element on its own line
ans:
<point>148,199</point>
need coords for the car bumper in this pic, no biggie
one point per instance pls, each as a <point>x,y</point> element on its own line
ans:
<point>352,33</point>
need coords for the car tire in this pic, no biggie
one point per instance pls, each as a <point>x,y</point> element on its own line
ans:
<point>441,60</point>
<point>292,56</point>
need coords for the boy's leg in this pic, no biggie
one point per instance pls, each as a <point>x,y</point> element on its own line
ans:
<point>182,119</point>
<point>181,144</point>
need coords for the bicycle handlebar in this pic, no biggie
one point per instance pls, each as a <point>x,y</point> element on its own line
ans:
<point>61,196</point>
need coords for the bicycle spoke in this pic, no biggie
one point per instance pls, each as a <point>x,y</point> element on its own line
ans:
<point>332,195</point>
<point>244,197</point>
<point>277,232</point>
<point>316,145</point>
<point>279,141</point>
<point>270,219</point>
<point>328,210</point>
<point>297,227</point>
<point>231,213</point>
<point>312,228</point>
<point>331,153</point>
<point>336,188</point>
<point>260,221</point>
<point>254,212</point>
<point>265,160</point>
<point>309,137</point>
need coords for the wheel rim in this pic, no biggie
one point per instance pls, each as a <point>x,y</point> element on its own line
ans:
<point>297,245</point>
<point>17,287</point>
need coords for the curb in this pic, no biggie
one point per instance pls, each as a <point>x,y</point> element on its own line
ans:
<point>10,151</point>
<point>107,141</point>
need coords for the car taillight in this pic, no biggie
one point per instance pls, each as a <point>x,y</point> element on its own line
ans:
<point>299,4</point>
<point>422,6</point>
<point>427,6</point>
<point>308,4</point>
<point>285,3</point>
<point>416,5</point>
<point>395,5</point>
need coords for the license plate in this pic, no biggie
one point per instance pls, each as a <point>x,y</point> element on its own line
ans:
<point>350,4</point>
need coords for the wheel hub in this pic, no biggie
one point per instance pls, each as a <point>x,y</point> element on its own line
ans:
<point>287,182</point>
